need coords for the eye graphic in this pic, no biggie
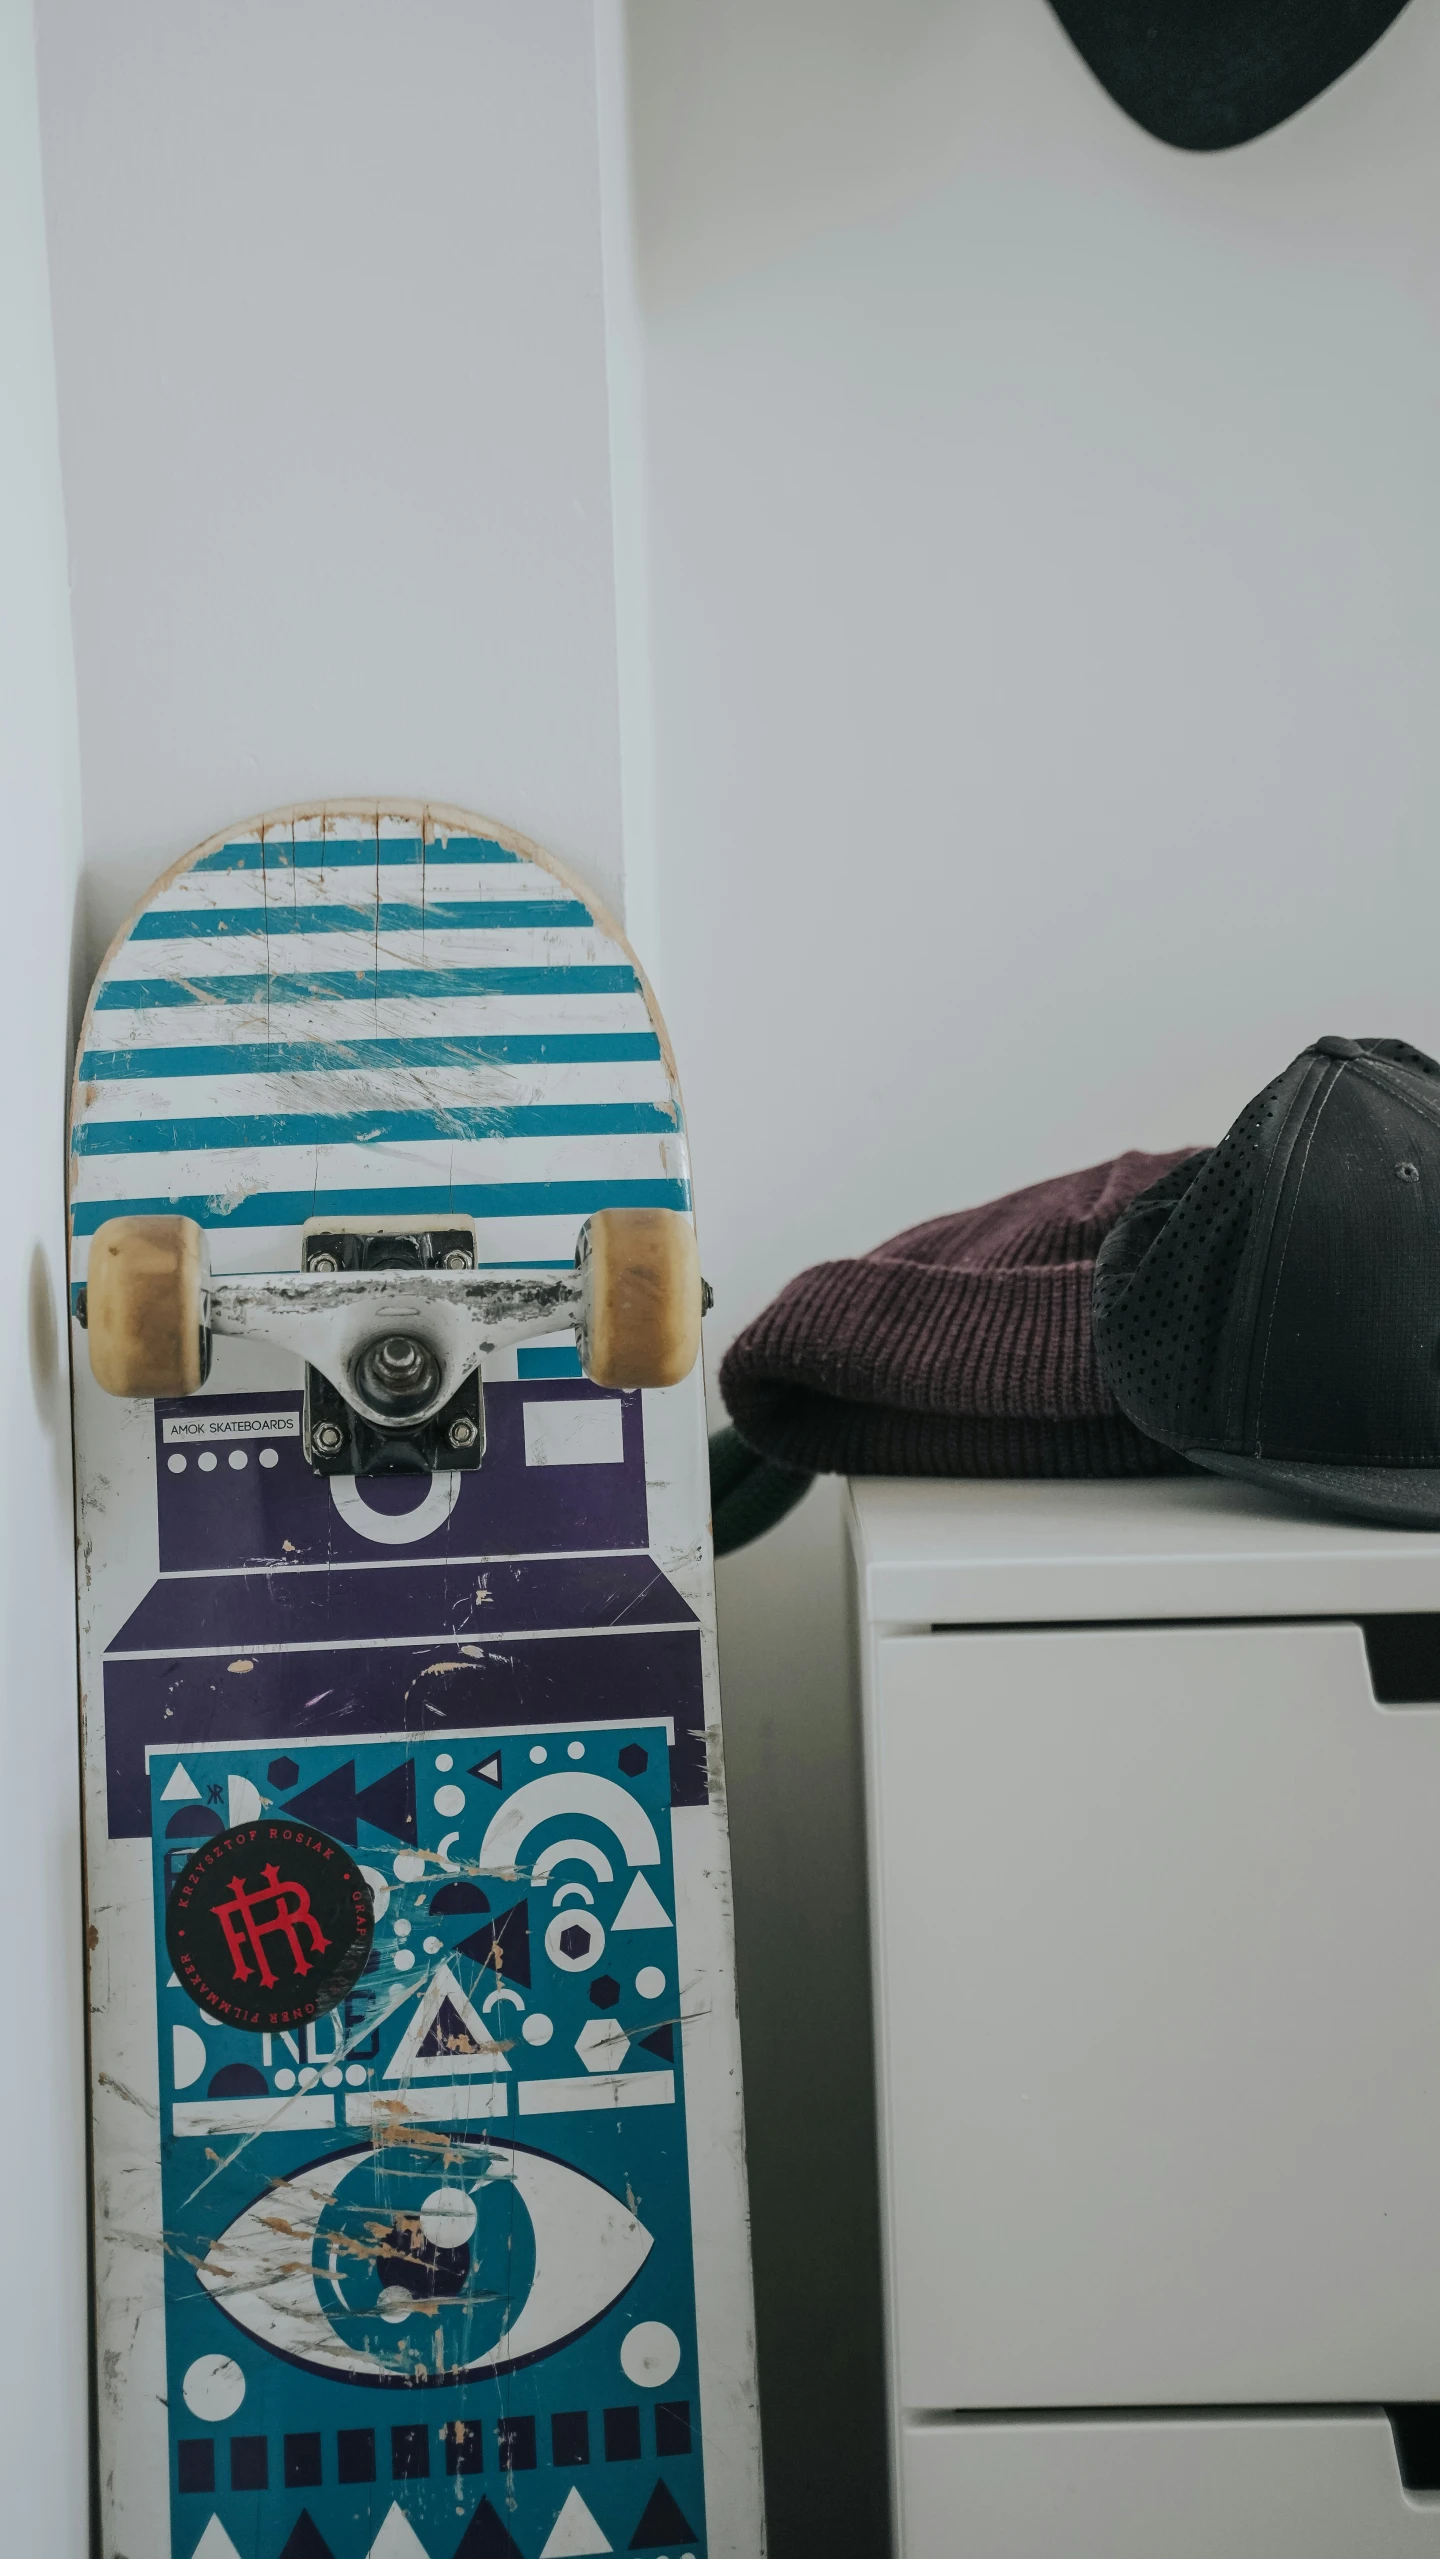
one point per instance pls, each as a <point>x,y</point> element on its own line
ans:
<point>401,2265</point>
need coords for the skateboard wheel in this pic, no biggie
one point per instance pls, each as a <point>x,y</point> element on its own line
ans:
<point>643,1312</point>
<point>144,1306</point>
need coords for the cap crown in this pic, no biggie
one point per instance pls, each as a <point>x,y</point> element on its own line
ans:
<point>1279,1297</point>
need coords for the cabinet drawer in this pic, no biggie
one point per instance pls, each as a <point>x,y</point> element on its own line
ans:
<point>1274,2487</point>
<point>1158,1948</point>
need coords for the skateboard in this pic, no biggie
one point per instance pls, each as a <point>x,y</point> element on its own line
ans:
<point>419,2206</point>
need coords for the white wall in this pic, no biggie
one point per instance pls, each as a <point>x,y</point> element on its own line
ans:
<point>43,2377</point>
<point>331,340</point>
<point>1046,626</point>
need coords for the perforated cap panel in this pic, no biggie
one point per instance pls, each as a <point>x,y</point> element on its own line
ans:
<point>1167,1279</point>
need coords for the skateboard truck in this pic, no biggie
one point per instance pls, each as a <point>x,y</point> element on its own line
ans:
<point>393,1321</point>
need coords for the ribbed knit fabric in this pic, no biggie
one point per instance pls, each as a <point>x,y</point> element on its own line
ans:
<point>962,1347</point>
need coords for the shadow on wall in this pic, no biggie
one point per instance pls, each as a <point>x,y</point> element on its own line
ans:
<point>797,1838</point>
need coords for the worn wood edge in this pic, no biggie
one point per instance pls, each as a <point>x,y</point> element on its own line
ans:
<point>447,818</point>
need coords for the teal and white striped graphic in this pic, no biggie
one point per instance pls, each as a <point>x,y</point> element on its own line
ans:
<point>337,1017</point>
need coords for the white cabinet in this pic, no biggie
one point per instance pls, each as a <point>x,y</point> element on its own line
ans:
<point>1155,1900</point>
<point>1198,2487</point>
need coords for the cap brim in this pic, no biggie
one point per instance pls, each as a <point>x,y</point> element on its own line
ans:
<point>1392,1496</point>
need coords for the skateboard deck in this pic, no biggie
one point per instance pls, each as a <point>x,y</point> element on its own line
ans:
<point>443,2252</point>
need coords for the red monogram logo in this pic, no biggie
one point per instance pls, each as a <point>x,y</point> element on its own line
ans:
<point>290,1911</point>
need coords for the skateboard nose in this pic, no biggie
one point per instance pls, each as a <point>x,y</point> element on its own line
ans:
<point>398,1374</point>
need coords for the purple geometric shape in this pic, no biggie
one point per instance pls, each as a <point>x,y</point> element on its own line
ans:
<point>193,1821</point>
<point>439,1602</point>
<point>634,1760</point>
<point>485,2537</point>
<point>333,1804</point>
<point>604,1990</point>
<point>662,2521</point>
<point>239,2079</point>
<point>357,1693</point>
<point>284,1773</point>
<point>305,2541</point>
<point>453,1899</point>
<point>503,1942</point>
<point>281,1513</point>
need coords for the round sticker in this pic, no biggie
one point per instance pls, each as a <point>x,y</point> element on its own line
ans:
<point>269,1924</point>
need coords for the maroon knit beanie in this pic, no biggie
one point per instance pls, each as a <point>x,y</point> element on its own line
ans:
<point>961,1347</point>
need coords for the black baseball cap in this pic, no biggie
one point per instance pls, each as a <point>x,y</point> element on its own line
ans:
<point>1206,74</point>
<point>1271,1309</point>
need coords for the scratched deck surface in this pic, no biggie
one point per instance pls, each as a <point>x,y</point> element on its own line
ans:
<point>461,2271</point>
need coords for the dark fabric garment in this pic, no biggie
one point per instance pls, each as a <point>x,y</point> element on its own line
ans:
<point>961,1347</point>
<point>748,1494</point>
<point>1270,1308</point>
<point>1207,74</point>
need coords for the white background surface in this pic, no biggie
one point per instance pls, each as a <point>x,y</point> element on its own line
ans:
<point>43,2386</point>
<point>1045,621</point>
<point>1043,615</point>
<point>330,331</point>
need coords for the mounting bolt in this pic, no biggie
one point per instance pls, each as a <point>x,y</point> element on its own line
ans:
<point>462,1434</point>
<point>323,1262</point>
<point>457,1262</point>
<point>327,1437</point>
<point>707,1297</point>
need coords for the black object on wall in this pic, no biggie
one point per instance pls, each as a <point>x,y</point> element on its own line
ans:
<point>1206,74</point>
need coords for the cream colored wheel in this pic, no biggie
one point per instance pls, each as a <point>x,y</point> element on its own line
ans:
<point>144,1299</point>
<point>642,1325</point>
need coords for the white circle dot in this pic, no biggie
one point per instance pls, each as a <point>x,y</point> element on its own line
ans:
<point>444,1761</point>
<point>649,2354</point>
<point>308,2076</point>
<point>207,1461</point>
<point>404,1961</point>
<point>576,1750</point>
<point>331,2078</point>
<point>269,1456</point>
<point>355,2075</point>
<point>284,2078</point>
<point>448,2217</point>
<point>539,1755</point>
<point>214,2387</point>
<point>176,1463</point>
<point>574,1920</point>
<point>433,1945</point>
<point>379,1891</point>
<point>537,2029</point>
<point>649,1981</point>
<point>395,2303</point>
<point>402,1927</point>
<point>238,1458</point>
<point>408,1868</point>
<point>449,1799</point>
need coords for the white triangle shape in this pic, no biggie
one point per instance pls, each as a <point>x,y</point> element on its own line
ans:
<point>441,1986</point>
<point>396,2539</point>
<point>577,2535</point>
<point>215,2542</point>
<point>640,1909</point>
<point>182,1789</point>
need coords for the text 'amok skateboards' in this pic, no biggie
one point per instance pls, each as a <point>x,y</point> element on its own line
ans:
<point>419,2187</point>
